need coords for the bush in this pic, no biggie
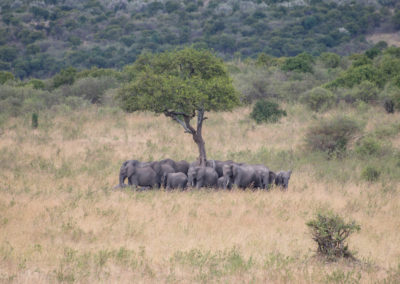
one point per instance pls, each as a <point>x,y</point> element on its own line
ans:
<point>330,60</point>
<point>366,91</point>
<point>266,111</point>
<point>35,120</point>
<point>370,174</point>
<point>300,63</point>
<point>332,136</point>
<point>319,99</point>
<point>330,231</point>
<point>368,146</point>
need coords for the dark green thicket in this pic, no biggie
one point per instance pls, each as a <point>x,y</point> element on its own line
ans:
<point>330,232</point>
<point>84,34</point>
<point>266,111</point>
<point>35,120</point>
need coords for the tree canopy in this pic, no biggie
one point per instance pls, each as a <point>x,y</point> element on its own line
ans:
<point>179,84</point>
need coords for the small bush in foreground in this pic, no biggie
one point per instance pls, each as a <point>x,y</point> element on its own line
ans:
<point>265,111</point>
<point>330,231</point>
<point>370,174</point>
<point>332,136</point>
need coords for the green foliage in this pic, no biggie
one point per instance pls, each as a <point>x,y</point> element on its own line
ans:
<point>114,34</point>
<point>330,231</point>
<point>355,75</point>
<point>319,99</point>
<point>35,120</point>
<point>396,19</point>
<point>330,60</point>
<point>370,173</point>
<point>266,111</point>
<point>368,146</point>
<point>182,81</point>
<point>65,77</point>
<point>332,135</point>
<point>300,63</point>
<point>366,91</point>
<point>6,76</point>
<point>37,84</point>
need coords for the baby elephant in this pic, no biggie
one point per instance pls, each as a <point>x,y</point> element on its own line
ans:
<point>282,179</point>
<point>175,180</point>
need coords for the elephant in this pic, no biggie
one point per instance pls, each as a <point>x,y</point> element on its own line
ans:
<point>221,183</point>
<point>265,177</point>
<point>143,176</point>
<point>202,177</point>
<point>127,169</point>
<point>241,175</point>
<point>161,171</point>
<point>209,164</point>
<point>182,167</point>
<point>219,166</point>
<point>282,179</point>
<point>175,180</point>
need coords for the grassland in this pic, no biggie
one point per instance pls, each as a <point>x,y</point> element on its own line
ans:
<point>60,220</point>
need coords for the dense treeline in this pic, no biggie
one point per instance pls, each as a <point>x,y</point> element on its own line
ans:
<point>38,39</point>
<point>320,82</point>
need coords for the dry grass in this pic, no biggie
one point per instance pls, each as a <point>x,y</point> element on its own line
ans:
<point>61,222</point>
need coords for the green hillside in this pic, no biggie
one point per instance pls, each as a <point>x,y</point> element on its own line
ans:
<point>39,38</point>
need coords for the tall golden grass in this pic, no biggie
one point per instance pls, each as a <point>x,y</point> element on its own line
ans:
<point>60,220</point>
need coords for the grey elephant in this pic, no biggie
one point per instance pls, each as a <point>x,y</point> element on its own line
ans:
<point>219,165</point>
<point>175,180</point>
<point>182,167</point>
<point>282,179</point>
<point>265,177</point>
<point>221,183</point>
<point>242,176</point>
<point>161,171</point>
<point>127,168</point>
<point>143,177</point>
<point>202,177</point>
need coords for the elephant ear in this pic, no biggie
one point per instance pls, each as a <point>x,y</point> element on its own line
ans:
<point>289,173</point>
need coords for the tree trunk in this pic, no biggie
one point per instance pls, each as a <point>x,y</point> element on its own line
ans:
<point>196,133</point>
<point>198,138</point>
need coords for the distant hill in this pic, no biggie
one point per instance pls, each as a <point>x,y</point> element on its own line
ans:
<point>38,38</point>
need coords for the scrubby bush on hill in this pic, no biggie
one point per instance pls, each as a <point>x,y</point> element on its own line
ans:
<point>319,99</point>
<point>332,135</point>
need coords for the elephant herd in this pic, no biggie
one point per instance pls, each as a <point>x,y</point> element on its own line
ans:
<point>172,174</point>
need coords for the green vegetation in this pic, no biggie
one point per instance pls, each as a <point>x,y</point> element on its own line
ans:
<point>40,40</point>
<point>266,111</point>
<point>332,136</point>
<point>330,231</point>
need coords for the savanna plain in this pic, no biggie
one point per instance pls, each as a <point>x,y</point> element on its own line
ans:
<point>61,221</point>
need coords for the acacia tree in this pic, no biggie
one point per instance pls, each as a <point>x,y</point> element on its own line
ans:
<point>181,85</point>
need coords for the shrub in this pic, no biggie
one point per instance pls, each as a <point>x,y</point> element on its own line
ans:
<point>366,91</point>
<point>300,63</point>
<point>35,121</point>
<point>65,77</point>
<point>319,99</point>
<point>330,60</point>
<point>332,136</point>
<point>266,111</point>
<point>330,231</point>
<point>388,104</point>
<point>368,146</point>
<point>370,173</point>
